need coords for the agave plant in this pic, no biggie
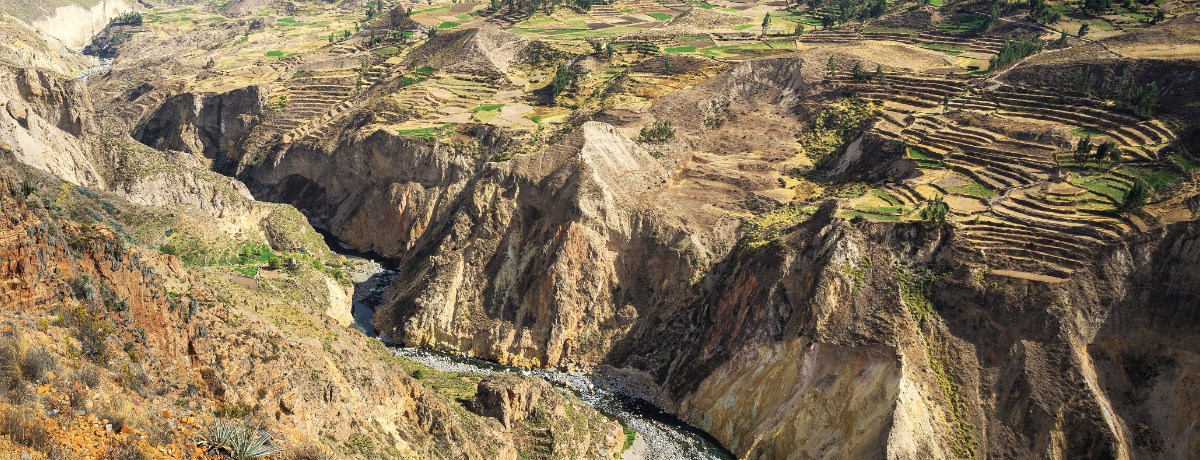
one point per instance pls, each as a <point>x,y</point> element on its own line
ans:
<point>237,440</point>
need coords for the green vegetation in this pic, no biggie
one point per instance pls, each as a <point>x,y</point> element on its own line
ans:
<point>681,49</point>
<point>132,18</point>
<point>1015,49</point>
<point>431,132</point>
<point>948,49</point>
<point>661,16</point>
<point>658,132</point>
<point>963,24</point>
<point>237,440</point>
<point>487,108</point>
<point>448,25</point>
<point>764,229</point>
<point>972,188</point>
<point>834,126</point>
<point>1136,197</point>
<point>275,53</point>
<point>936,211</point>
<point>913,283</point>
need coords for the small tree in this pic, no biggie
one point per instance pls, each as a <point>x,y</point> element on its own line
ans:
<point>1083,29</point>
<point>832,67</point>
<point>1062,40</point>
<point>858,73</point>
<point>766,22</point>
<point>935,211</point>
<point>1136,197</point>
<point>658,132</point>
<point>1083,149</point>
<point>1159,16</point>
<point>879,77</point>
<point>562,80</point>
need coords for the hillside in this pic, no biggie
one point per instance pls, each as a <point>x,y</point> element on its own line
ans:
<point>824,230</point>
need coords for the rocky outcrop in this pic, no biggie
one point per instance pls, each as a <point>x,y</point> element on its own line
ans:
<point>48,122</point>
<point>534,408</point>
<point>213,125</point>
<point>73,23</point>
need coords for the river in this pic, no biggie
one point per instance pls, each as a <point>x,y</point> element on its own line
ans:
<point>660,435</point>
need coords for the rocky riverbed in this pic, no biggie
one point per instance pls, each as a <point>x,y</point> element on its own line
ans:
<point>660,436</point>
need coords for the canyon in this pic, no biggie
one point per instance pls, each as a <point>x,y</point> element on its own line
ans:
<point>880,238</point>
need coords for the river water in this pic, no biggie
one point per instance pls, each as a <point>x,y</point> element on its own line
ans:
<point>660,435</point>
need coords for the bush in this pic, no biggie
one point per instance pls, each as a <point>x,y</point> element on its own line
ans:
<point>12,354</point>
<point>936,211</point>
<point>1137,196</point>
<point>89,375</point>
<point>127,449</point>
<point>237,440</point>
<point>658,132</point>
<point>23,428</point>
<point>1014,50</point>
<point>309,453</point>
<point>37,363</point>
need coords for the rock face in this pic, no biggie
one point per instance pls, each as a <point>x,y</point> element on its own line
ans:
<point>837,339</point>
<point>534,408</point>
<point>215,125</point>
<point>48,122</point>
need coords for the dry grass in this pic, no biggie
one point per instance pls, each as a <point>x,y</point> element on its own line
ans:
<point>24,429</point>
<point>128,449</point>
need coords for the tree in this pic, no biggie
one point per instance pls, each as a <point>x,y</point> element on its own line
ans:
<point>879,77</point>
<point>832,67</point>
<point>876,8</point>
<point>858,73</point>
<point>766,22</point>
<point>1014,50</point>
<point>1083,149</point>
<point>1061,42</point>
<point>562,80</point>
<point>1083,29</point>
<point>1105,150</point>
<point>1096,6</point>
<point>935,211</point>
<point>658,132</point>
<point>1159,16</point>
<point>1136,197</point>
<point>827,21</point>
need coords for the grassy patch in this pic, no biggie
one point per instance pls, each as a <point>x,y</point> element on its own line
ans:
<point>1102,185</point>
<point>681,49</point>
<point>1086,131</point>
<point>487,108</point>
<point>249,271</point>
<point>853,213</point>
<point>962,23</point>
<point>974,189</point>
<point>661,16</point>
<point>275,53</point>
<point>765,228</point>
<point>448,25</point>
<point>1157,178</point>
<point>948,49</point>
<point>424,133</point>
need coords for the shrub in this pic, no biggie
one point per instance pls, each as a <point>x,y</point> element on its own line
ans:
<point>1137,196</point>
<point>309,453</point>
<point>1014,50</point>
<point>23,428</point>
<point>91,331</point>
<point>89,375</point>
<point>418,374</point>
<point>37,363</point>
<point>237,440</point>
<point>658,132</point>
<point>118,412</point>
<point>936,211</point>
<point>12,354</point>
<point>127,449</point>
